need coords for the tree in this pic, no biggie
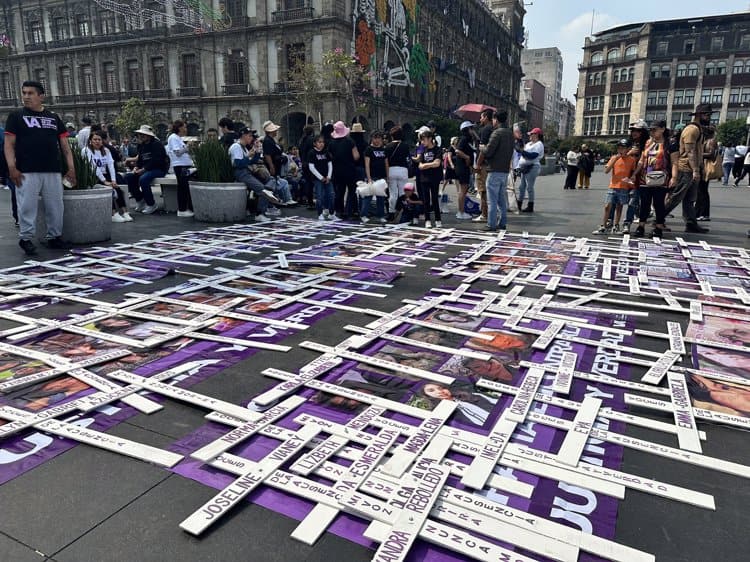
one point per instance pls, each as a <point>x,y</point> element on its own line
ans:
<point>349,77</point>
<point>132,116</point>
<point>305,79</point>
<point>732,133</point>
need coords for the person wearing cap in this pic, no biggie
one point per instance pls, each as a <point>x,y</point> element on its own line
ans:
<point>530,165</point>
<point>571,160</point>
<point>498,154</point>
<point>71,130</point>
<point>638,131</point>
<point>275,159</point>
<point>357,133</point>
<point>464,161</point>
<point>247,153</point>
<point>344,154</point>
<point>690,168</point>
<point>433,129</point>
<point>408,205</point>
<point>151,163</point>
<point>622,165</point>
<point>35,139</point>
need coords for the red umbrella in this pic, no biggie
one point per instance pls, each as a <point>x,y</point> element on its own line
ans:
<point>472,111</point>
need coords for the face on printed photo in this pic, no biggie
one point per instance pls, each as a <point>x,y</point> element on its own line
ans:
<point>719,396</point>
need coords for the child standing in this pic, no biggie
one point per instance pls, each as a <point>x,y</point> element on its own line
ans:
<point>622,166</point>
<point>431,174</point>
<point>376,168</point>
<point>321,167</point>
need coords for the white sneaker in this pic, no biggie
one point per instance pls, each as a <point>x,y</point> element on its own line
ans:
<point>326,214</point>
<point>290,203</point>
<point>427,224</point>
<point>335,218</point>
<point>321,218</point>
<point>382,220</point>
<point>139,205</point>
<point>185,213</point>
<point>438,224</point>
<point>148,209</point>
<point>415,222</point>
<point>601,230</point>
<point>118,218</point>
<point>459,215</point>
<point>479,218</point>
<point>262,218</point>
<point>127,217</point>
<point>268,194</point>
<point>364,220</point>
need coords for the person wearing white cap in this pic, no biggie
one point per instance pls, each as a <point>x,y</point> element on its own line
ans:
<point>344,154</point>
<point>274,158</point>
<point>151,163</point>
<point>464,162</point>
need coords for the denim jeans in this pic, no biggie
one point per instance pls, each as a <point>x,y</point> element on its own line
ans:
<point>253,184</point>
<point>364,206</point>
<point>497,199</point>
<point>727,167</point>
<point>323,196</point>
<point>527,183</point>
<point>139,186</point>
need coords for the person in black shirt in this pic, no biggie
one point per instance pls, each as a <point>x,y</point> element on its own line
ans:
<point>344,154</point>
<point>151,163</point>
<point>34,141</point>
<point>398,156</point>
<point>480,176</point>
<point>409,206</point>
<point>321,168</point>
<point>376,168</point>
<point>305,146</point>
<point>431,174</point>
<point>275,159</point>
<point>358,136</point>
<point>464,162</point>
<point>228,135</point>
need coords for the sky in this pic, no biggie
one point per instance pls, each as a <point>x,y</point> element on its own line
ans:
<point>565,24</point>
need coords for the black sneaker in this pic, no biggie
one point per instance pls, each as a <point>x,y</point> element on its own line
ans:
<point>694,227</point>
<point>57,244</point>
<point>28,247</point>
<point>639,232</point>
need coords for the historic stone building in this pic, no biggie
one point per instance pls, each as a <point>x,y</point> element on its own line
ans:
<point>425,58</point>
<point>662,70</point>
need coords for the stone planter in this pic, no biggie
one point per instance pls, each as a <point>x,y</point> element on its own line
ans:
<point>219,202</point>
<point>87,217</point>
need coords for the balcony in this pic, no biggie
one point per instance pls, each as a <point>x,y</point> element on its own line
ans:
<point>35,47</point>
<point>238,22</point>
<point>190,92</point>
<point>236,89</point>
<point>8,102</point>
<point>285,88</point>
<point>159,93</point>
<point>296,14</point>
<point>85,98</point>
<point>66,99</point>
<point>109,96</point>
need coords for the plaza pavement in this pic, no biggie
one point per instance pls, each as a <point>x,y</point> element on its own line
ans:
<point>90,505</point>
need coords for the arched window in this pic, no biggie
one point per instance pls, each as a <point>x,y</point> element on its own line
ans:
<point>86,79</point>
<point>616,75</point>
<point>597,78</point>
<point>710,69</point>
<point>631,74</point>
<point>681,70</point>
<point>631,52</point>
<point>655,71</point>
<point>65,81</point>
<point>666,70</point>
<point>738,66</point>
<point>597,58</point>
<point>721,68</point>
<point>592,76</point>
<point>613,55</point>
<point>693,69</point>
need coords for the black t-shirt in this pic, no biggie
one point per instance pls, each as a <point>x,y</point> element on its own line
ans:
<point>228,138</point>
<point>271,148</point>
<point>305,146</point>
<point>319,160</point>
<point>38,135</point>
<point>465,146</point>
<point>485,133</point>
<point>153,156</point>
<point>398,154</point>
<point>361,144</point>
<point>377,162</point>
<point>341,153</point>
<point>431,175</point>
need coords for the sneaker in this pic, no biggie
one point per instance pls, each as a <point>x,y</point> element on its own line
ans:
<point>427,224</point>
<point>268,194</point>
<point>28,247</point>
<point>601,230</point>
<point>438,224</point>
<point>273,212</point>
<point>139,205</point>
<point>127,217</point>
<point>479,218</point>
<point>704,219</point>
<point>56,244</point>
<point>626,226</point>
<point>640,232</point>
<point>608,224</point>
<point>616,229</point>
<point>321,217</point>
<point>382,220</point>
<point>657,233</point>
<point>364,220</point>
<point>693,227</point>
<point>118,218</point>
<point>326,214</point>
<point>335,217</point>
<point>149,209</point>
<point>262,218</point>
<point>415,222</point>
<point>17,225</point>
<point>291,203</point>
<point>185,213</point>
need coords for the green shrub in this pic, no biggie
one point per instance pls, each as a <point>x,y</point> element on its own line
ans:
<point>213,163</point>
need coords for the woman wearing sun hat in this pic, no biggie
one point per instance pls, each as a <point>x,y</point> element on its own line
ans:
<point>345,155</point>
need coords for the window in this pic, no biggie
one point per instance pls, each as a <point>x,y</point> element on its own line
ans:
<point>620,101</point>
<point>689,97</point>
<point>591,78</point>
<point>734,95</point>
<point>134,74</point>
<point>680,117</point>
<point>597,78</point>
<point>295,58</point>
<point>618,124</point>
<point>36,32</point>
<point>655,71</point>
<point>744,43</point>
<point>82,25</point>
<point>236,68</point>
<point>666,70</point>
<point>631,74</point>
<point>710,69</point>
<point>86,79</point>
<point>597,58</point>
<point>693,69</point>
<point>65,81</point>
<point>738,67</point>
<point>595,103</point>
<point>616,75</point>
<point>678,96</point>
<point>158,74</point>
<point>613,55</point>
<point>651,98</point>
<point>6,89</point>
<point>689,47</point>
<point>745,95</point>
<point>107,22</point>
<point>109,79</point>
<point>40,75</point>
<point>747,66</point>
<point>631,52</point>
<point>681,70</point>
<point>661,97</point>
<point>661,48</point>
<point>59,29</point>
<point>705,96</point>
<point>721,68</point>
<point>717,44</point>
<point>717,95</point>
<point>190,74</point>
<point>233,9</point>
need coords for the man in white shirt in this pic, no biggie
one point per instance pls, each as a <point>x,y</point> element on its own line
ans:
<point>83,135</point>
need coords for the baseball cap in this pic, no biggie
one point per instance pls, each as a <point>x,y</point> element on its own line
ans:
<point>248,130</point>
<point>624,142</point>
<point>466,125</point>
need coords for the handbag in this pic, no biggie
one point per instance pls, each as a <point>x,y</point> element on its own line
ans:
<point>657,178</point>
<point>713,168</point>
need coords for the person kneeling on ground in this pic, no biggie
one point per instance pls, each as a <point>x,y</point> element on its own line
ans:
<point>622,166</point>
<point>408,205</point>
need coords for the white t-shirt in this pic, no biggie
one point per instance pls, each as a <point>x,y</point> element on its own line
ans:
<point>237,152</point>
<point>101,162</point>
<point>573,157</point>
<point>178,152</point>
<point>537,147</point>
<point>83,137</point>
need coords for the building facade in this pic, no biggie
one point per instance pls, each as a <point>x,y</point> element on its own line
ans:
<point>424,58</point>
<point>546,66</point>
<point>533,97</point>
<point>662,70</point>
<point>567,118</point>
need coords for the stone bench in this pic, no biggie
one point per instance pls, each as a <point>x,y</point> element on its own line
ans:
<point>168,187</point>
